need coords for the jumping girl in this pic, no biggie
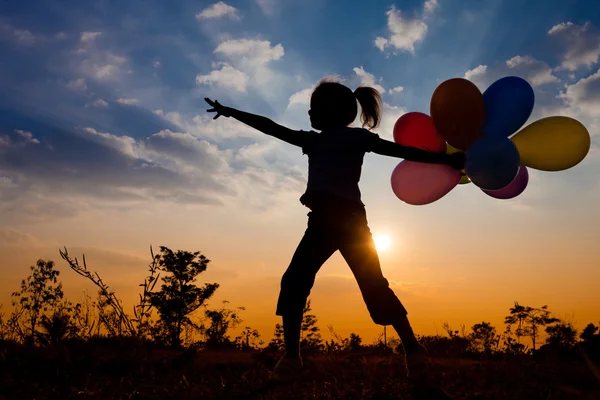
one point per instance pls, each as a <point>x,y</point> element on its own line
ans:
<point>337,218</point>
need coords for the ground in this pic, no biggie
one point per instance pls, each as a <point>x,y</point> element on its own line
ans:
<point>129,372</point>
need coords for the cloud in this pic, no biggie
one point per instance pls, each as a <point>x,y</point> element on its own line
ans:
<point>219,10</point>
<point>389,117</point>
<point>582,43</point>
<point>249,51</point>
<point>404,32</point>
<point>368,79</point>
<point>126,101</point>
<point>22,37</point>
<point>430,6</point>
<point>96,63</point>
<point>247,64</point>
<point>19,138</point>
<point>77,84</point>
<point>267,6</point>
<point>156,64</point>
<point>301,97</point>
<point>536,72</point>
<point>89,36</point>
<point>397,89</point>
<point>227,77</point>
<point>584,96</point>
<point>100,103</point>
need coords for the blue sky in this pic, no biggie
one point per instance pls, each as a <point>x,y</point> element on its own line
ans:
<point>102,112</point>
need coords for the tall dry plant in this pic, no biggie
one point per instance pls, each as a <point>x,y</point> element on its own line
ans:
<point>111,313</point>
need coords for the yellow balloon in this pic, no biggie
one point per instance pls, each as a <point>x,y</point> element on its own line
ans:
<point>464,178</point>
<point>553,143</point>
<point>451,149</point>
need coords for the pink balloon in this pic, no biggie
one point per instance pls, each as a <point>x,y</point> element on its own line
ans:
<point>513,189</point>
<point>422,183</point>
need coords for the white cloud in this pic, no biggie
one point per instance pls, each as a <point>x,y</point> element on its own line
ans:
<point>248,64</point>
<point>430,6</point>
<point>100,103</point>
<point>26,137</point>
<point>404,32</point>
<point>397,89</point>
<point>227,76</point>
<point>252,52</point>
<point>22,138</point>
<point>584,96</point>
<point>24,36</point>
<point>389,116</point>
<point>582,44</point>
<point>301,97</point>
<point>77,84</point>
<point>156,64</point>
<point>122,100</point>
<point>21,36</point>
<point>368,79</point>
<point>267,6</point>
<point>536,72</point>
<point>381,42</point>
<point>124,144</point>
<point>540,73</point>
<point>219,10</point>
<point>89,36</point>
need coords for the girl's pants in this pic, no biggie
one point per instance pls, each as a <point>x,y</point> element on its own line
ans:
<point>344,229</point>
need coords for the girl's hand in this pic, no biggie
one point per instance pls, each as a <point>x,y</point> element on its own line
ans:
<point>218,108</point>
<point>457,160</point>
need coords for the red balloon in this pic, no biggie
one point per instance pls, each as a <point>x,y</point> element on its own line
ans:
<point>422,183</point>
<point>458,112</point>
<point>415,129</point>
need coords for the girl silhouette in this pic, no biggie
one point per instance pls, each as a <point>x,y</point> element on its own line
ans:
<point>337,218</point>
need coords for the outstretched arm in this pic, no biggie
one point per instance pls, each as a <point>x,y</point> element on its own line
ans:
<point>392,149</point>
<point>263,124</point>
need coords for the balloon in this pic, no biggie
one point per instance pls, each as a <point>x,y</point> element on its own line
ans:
<point>508,104</point>
<point>422,183</point>
<point>458,112</point>
<point>416,129</point>
<point>464,179</point>
<point>492,162</point>
<point>515,188</point>
<point>553,143</point>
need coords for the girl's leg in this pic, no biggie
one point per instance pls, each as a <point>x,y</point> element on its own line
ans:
<point>314,249</point>
<point>358,249</point>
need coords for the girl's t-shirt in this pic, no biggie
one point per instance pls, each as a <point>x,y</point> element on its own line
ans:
<point>335,159</point>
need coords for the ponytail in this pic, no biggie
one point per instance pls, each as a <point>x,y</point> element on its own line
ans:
<point>370,104</point>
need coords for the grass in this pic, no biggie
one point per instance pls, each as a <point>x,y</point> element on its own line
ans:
<point>126,371</point>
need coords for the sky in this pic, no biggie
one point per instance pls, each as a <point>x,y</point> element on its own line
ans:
<point>106,148</point>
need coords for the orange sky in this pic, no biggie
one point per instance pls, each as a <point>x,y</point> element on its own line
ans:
<point>463,259</point>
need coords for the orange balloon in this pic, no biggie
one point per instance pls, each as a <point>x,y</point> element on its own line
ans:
<point>458,112</point>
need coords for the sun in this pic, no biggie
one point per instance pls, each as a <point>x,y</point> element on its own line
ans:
<point>383,242</point>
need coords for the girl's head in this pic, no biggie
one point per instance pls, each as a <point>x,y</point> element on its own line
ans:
<point>333,105</point>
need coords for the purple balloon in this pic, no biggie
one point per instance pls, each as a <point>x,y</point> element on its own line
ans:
<point>513,189</point>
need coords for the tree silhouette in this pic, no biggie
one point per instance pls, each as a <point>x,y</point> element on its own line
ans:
<point>277,342</point>
<point>39,292</point>
<point>528,321</point>
<point>589,333</point>
<point>179,296</point>
<point>221,320</point>
<point>484,337</point>
<point>562,333</point>
<point>310,334</point>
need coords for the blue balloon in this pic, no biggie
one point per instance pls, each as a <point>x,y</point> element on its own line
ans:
<point>492,162</point>
<point>508,104</point>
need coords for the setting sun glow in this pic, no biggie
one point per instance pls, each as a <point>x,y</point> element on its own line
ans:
<point>382,242</point>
